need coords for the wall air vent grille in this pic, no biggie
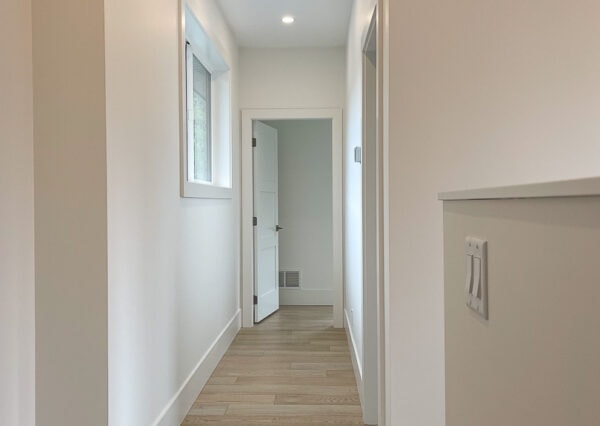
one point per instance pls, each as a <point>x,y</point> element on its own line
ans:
<point>289,279</point>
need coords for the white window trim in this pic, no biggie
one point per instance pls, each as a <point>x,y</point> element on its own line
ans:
<point>207,52</point>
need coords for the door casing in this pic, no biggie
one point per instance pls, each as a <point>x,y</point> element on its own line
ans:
<point>376,362</point>
<point>247,246</point>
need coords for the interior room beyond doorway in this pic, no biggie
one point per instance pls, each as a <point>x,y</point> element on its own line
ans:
<point>305,211</point>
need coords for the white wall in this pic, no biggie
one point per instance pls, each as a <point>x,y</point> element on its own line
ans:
<point>71,342</point>
<point>301,78</point>
<point>353,221</point>
<point>305,209</point>
<point>173,263</point>
<point>17,393</point>
<point>481,93</point>
<point>535,360</point>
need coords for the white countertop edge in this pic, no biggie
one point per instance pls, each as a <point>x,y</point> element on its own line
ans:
<point>587,187</point>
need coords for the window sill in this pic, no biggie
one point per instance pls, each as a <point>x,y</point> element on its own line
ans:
<point>199,190</point>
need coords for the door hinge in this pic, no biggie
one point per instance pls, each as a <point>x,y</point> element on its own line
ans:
<point>256,300</point>
<point>254,221</point>
<point>253,142</point>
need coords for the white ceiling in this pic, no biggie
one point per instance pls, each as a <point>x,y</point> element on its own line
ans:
<point>319,23</point>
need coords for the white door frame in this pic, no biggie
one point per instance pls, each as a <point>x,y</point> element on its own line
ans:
<point>371,227</point>
<point>247,255</point>
<point>376,225</point>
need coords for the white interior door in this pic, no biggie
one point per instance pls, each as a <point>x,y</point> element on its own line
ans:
<point>266,241</point>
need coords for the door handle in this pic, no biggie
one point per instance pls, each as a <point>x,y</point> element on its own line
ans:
<point>279,228</point>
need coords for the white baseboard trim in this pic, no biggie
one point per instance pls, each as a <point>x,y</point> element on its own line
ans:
<point>305,296</point>
<point>354,356</point>
<point>179,405</point>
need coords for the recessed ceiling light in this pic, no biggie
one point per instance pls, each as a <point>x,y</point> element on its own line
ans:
<point>287,19</point>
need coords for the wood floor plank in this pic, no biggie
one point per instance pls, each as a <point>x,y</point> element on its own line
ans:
<point>273,420</point>
<point>266,389</point>
<point>292,410</point>
<point>292,369</point>
<point>211,398</point>
<point>317,399</point>
<point>339,373</point>
<point>208,410</point>
<point>295,380</point>
<point>294,357</point>
<point>266,372</point>
<point>322,365</point>
<point>222,380</point>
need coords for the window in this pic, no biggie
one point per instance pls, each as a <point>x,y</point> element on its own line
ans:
<point>199,120</point>
<point>206,115</point>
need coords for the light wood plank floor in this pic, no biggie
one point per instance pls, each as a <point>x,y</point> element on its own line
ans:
<point>292,369</point>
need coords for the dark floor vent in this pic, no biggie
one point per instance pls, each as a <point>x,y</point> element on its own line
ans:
<point>289,279</point>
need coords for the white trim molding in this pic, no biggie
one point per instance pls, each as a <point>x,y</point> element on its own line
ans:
<point>248,116</point>
<point>358,373</point>
<point>179,405</point>
<point>588,187</point>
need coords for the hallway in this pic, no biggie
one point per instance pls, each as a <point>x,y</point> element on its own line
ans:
<point>293,368</point>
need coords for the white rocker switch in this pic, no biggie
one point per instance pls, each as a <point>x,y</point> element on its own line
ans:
<point>476,277</point>
<point>469,269</point>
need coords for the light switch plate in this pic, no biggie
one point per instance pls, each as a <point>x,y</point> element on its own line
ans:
<point>476,275</point>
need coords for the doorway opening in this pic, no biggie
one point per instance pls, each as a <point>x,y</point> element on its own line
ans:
<point>304,226</point>
<point>309,270</point>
